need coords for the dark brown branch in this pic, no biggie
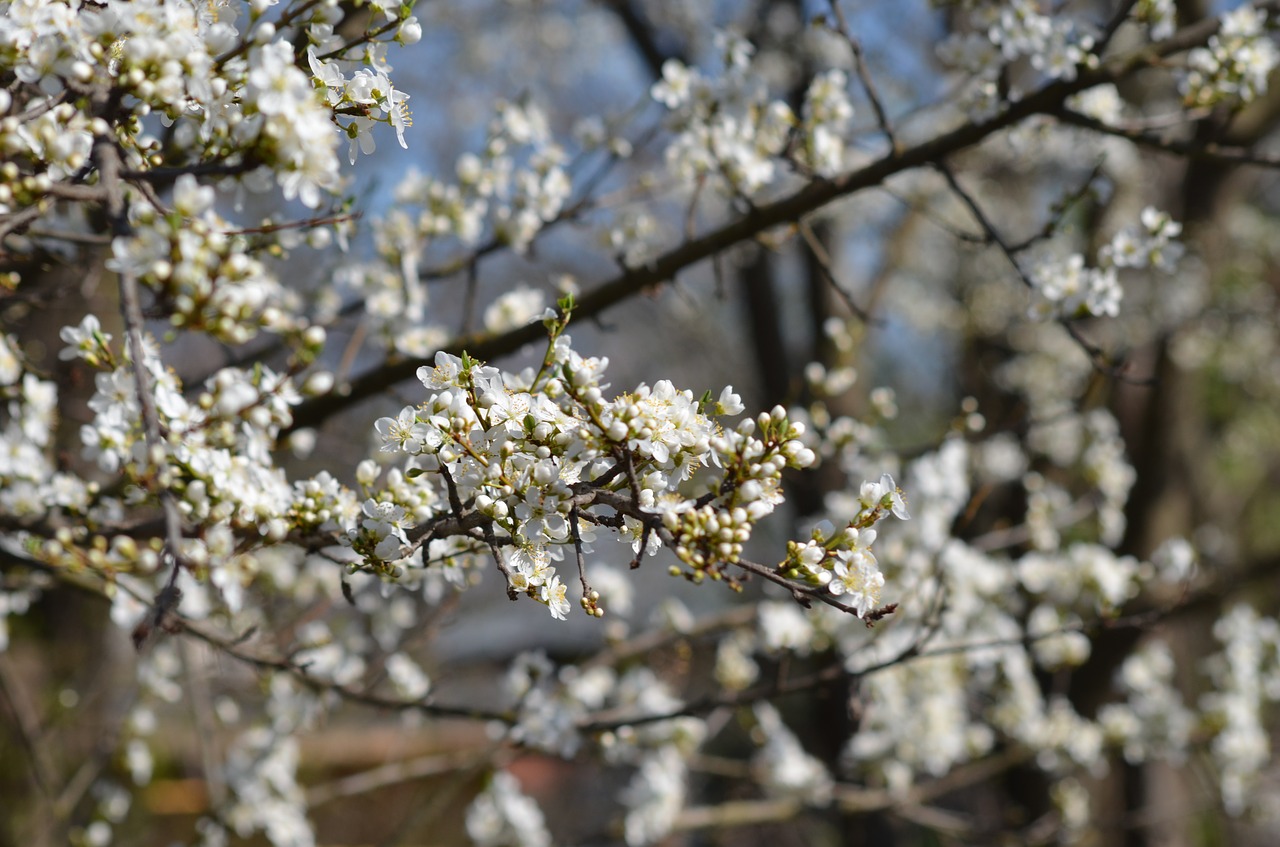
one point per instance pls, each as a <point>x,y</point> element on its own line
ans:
<point>1206,151</point>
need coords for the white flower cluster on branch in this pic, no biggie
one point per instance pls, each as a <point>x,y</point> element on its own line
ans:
<point>1236,62</point>
<point>1069,289</point>
<point>730,132</point>
<point>524,461</point>
<point>230,92</point>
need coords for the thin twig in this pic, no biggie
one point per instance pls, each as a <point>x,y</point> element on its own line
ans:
<point>492,541</point>
<point>395,773</point>
<point>92,238</point>
<point>864,75</point>
<point>26,725</point>
<point>579,555</point>
<point>823,260</point>
<point>16,221</point>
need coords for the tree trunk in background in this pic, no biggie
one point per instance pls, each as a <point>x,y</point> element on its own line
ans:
<point>71,655</point>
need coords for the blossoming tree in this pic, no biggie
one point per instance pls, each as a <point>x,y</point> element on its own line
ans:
<point>268,436</point>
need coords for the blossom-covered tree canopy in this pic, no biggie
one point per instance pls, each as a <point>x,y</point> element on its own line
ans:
<point>350,463</point>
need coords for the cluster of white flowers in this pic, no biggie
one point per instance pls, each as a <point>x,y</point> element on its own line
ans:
<point>842,561</point>
<point>233,96</point>
<point>1102,103</point>
<point>286,123</point>
<point>632,237</point>
<point>782,765</point>
<point>514,187</point>
<point>1056,45</point>
<point>729,132</point>
<point>531,195</point>
<point>507,194</point>
<point>826,116</point>
<point>262,772</point>
<point>1236,62</point>
<point>1067,288</point>
<point>215,458</point>
<point>1152,243</point>
<point>1160,16</point>
<point>1000,32</point>
<point>31,482</point>
<point>655,796</point>
<point>1246,676</point>
<point>549,704</point>
<point>59,139</point>
<point>502,816</point>
<point>923,717</point>
<point>917,722</point>
<point>1083,577</point>
<point>206,277</point>
<point>1106,467</point>
<point>368,92</point>
<point>527,452</point>
<point>1152,721</point>
<point>162,53</point>
<point>514,309</point>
